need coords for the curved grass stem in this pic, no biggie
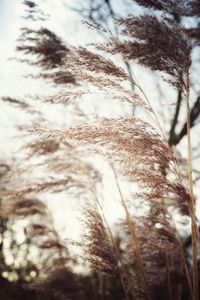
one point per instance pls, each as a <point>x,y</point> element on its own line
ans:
<point>191,203</point>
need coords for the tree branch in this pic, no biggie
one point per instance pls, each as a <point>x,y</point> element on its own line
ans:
<point>172,135</point>
<point>194,114</point>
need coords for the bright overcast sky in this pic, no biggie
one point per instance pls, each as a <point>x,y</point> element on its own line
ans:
<point>66,24</point>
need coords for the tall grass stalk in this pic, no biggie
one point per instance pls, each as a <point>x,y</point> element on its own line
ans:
<point>135,244</point>
<point>123,273</point>
<point>191,204</point>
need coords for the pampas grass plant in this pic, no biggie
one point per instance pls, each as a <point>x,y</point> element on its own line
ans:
<point>147,257</point>
<point>138,149</point>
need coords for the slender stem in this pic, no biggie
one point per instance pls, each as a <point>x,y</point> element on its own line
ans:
<point>132,82</point>
<point>134,238</point>
<point>191,204</point>
<point>156,120</point>
<point>122,270</point>
<point>123,273</point>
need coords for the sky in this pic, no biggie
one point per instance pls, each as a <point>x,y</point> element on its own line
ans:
<point>13,84</point>
<point>68,25</point>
